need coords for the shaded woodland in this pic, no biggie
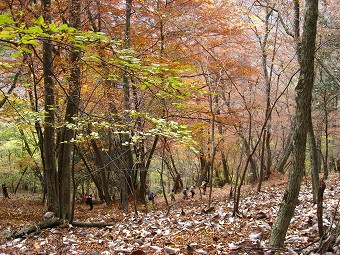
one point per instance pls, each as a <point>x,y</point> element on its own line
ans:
<point>119,99</point>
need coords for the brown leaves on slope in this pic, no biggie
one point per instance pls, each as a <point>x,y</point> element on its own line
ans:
<point>195,232</point>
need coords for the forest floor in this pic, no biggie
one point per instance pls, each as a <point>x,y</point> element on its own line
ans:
<point>185,230</point>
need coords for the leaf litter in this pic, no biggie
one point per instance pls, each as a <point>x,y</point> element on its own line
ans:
<point>186,229</point>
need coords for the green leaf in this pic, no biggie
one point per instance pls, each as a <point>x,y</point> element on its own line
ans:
<point>4,19</point>
<point>29,41</point>
<point>39,21</point>
<point>7,34</point>
<point>5,65</point>
<point>36,31</point>
<point>144,85</point>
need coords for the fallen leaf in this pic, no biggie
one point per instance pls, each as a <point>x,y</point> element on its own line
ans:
<point>138,252</point>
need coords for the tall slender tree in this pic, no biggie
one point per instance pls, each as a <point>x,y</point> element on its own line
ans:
<point>49,145</point>
<point>68,134</point>
<point>303,99</point>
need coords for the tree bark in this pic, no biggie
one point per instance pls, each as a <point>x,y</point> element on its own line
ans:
<point>253,169</point>
<point>303,92</point>
<point>314,155</point>
<point>325,161</point>
<point>262,163</point>
<point>226,173</point>
<point>49,145</point>
<point>31,229</point>
<point>126,179</point>
<point>102,171</point>
<point>54,222</point>
<point>321,189</point>
<point>144,167</point>
<point>73,100</point>
<point>285,155</point>
<point>21,176</point>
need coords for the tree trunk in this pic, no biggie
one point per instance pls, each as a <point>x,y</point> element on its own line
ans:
<point>285,155</point>
<point>49,145</point>
<point>124,191</point>
<point>268,153</point>
<point>144,167</point>
<point>267,76</point>
<point>321,189</point>
<point>204,171</point>
<point>314,155</point>
<point>102,171</point>
<point>253,169</point>
<point>161,175</point>
<point>127,181</point>
<point>303,92</point>
<point>39,131</point>
<point>73,99</point>
<point>54,222</point>
<point>225,166</point>
<point>10,90</point>
<point>31,229</point>
<point>21,176</point>
<point>262,162</point>
<point>325,161</point>
<point>94,179</point>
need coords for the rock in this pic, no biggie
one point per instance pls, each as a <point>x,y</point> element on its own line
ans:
<point>48,215</point>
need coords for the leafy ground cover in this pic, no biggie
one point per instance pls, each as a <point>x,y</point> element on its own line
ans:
<point>184,229</point>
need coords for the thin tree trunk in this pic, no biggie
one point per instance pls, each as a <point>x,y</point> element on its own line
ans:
<point>102,171</point>
<point>321,189</point>
<point>21,176</point>
<point>143,169</point>
<point>303,92</point>
<point>226,173</point>
<point>39,131</point>
<point>268,153</point>
<point>213,146</point>
<point>314,155</point>
<point>325,161</point>
<point>253,169</point>
<point>262,163</point>
<point>10,90</point>
<point>89,170</point>
<point>162,171</point>
<point>285,155</point>
<point>127,181</point>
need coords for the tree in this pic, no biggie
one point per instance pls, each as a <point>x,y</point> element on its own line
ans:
<point>303,99</point>
<point>49,140</point>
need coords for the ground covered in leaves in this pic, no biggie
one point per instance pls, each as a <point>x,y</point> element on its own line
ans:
<point>184,229</point>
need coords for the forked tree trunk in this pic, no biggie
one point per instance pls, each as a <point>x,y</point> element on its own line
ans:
<point>303,92</point>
